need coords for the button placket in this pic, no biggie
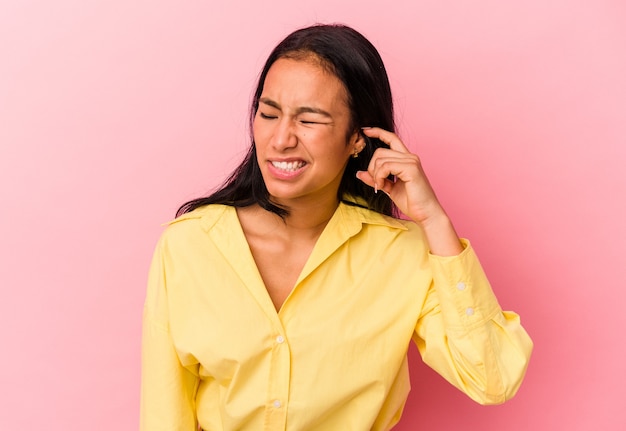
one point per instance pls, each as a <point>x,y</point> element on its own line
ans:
<point>280,372</point>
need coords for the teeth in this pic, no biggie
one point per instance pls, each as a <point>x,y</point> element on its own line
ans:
<point>288,166</point>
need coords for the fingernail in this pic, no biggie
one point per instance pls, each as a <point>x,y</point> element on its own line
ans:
<point>365,128</point>
<point>375,188</point>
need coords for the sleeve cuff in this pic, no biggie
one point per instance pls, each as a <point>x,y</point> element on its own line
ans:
<point>464,292</point>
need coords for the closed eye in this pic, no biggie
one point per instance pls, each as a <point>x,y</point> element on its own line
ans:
<point>313,121</point>
<point>267,117</point>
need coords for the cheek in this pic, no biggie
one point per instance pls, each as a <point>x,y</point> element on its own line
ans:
<point>337,157</point>
<point>257,132</point>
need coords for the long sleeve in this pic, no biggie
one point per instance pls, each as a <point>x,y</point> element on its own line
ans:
<point>167,388</point>
<point>465,336</point>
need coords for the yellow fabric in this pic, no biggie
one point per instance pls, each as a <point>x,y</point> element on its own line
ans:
<point>218,355</point>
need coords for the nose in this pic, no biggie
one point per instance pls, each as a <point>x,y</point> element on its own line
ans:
<point>284,136</point>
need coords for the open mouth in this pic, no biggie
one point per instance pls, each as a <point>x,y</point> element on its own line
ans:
<point>288,166</point>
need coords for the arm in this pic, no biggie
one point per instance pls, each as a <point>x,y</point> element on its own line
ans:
<point>465,336</point>
<point>167,388</point>
<point>462,333</point>
<point>412,192</point>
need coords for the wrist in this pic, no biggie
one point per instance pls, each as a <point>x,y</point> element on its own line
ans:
<point>441,236</point>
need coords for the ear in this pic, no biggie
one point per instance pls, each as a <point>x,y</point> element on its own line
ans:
<point>358,143</point>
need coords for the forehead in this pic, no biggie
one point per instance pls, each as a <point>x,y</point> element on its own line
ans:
<point>303,80</point>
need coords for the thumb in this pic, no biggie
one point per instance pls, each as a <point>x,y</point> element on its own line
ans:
<point>365,177</point>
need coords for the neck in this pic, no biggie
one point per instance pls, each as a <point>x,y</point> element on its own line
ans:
<point>307,216</point>
<point>309,219</point>
<point>303,224</point>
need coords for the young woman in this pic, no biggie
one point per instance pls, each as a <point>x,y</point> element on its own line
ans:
<point>286,300</point>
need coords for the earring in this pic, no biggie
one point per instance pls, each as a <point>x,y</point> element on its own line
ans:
<point>356,153</point>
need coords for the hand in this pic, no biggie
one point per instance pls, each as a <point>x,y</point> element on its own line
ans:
<point>411,190</point>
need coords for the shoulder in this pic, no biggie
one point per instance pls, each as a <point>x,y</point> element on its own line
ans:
<point>380,225</point>
<point>354,212</point>
<point>399,240</point>
<point>196,223</point>
<point>403,229</point>
<point>202,215</point>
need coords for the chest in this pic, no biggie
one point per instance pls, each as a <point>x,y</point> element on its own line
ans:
<point>280,264</point>
<point>220,318</point>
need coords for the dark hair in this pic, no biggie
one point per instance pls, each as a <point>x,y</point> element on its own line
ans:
<point>355,61</point>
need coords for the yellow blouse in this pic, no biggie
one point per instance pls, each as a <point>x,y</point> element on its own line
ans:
<point>216,354</point>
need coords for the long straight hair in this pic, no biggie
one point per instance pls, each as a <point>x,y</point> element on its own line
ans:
<point>350,57</point>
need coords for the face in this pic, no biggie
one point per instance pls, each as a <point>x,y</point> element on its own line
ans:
<point>301,132</point>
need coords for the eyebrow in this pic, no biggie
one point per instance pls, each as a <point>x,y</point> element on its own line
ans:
<point>300,110</point>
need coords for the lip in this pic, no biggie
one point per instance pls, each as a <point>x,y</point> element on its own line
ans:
<point>283,174</point>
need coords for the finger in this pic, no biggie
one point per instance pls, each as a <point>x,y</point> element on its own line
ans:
<point>367,178</point>
<point>389,173</point>
<point>404,167</point>
<point>387,137</point>
<point>386,155</point>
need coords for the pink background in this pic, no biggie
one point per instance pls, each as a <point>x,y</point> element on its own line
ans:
<point>112,113</point>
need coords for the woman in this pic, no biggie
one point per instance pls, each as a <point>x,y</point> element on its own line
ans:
<point>287,299</point>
